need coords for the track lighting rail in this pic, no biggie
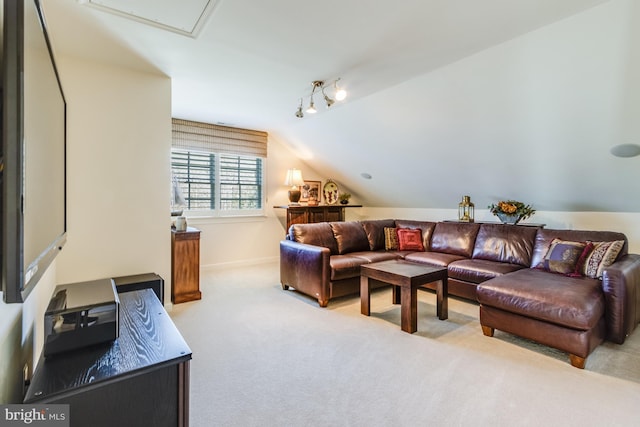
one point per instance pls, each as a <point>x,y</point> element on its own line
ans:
<point>339,94</point>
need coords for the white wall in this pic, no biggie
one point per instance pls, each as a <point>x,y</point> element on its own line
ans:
<point>118,192</point>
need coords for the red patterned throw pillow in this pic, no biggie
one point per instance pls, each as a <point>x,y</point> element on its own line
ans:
<point>410,239</point>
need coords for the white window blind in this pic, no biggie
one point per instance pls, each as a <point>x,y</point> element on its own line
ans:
<point>197,136</point>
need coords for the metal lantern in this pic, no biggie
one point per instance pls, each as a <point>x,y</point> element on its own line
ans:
<point>465,210</point>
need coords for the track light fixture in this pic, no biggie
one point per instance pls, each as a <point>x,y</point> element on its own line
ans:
<point>312,108</point>
<point>299,113</point>
<point>319,85</point>
<point>341,94</point>
<point>328,100</point>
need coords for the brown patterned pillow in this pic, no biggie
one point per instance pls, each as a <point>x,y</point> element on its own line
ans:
<point>562,256</point>
<point>603,255</point>
<point>390,239</point>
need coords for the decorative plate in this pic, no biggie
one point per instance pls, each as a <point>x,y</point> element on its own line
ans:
<point>330,192</point>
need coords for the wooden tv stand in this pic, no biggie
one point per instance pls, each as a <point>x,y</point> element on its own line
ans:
<point>140,379</point>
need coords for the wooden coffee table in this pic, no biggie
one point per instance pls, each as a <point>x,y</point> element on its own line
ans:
<point>407,276</point>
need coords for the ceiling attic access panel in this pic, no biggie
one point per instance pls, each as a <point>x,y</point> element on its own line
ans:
<point>185,17</point>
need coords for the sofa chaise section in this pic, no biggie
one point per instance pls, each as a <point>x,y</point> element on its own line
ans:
<point>572,313</point>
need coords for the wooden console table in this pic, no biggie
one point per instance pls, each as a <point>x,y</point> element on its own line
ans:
<point>304,214</point>
<point>185,265</point>
<point>140,379</point>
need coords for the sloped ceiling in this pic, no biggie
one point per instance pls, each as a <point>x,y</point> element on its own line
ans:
<point>494,98</point>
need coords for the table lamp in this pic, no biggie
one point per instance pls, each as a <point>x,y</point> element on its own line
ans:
<point>294,179</point>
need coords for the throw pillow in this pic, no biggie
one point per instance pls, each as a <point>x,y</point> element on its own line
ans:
<point>410,239</point>
<point>562,256</point>
<point>390,239</point>
<point>583,258</point>
<point>602,255</point>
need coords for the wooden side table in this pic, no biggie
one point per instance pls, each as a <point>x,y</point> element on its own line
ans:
<point>185,265</point>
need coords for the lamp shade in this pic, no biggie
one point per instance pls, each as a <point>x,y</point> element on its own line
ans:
<point>294,178</point>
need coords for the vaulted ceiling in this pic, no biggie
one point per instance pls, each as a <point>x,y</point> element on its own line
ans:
<point>494,98</point>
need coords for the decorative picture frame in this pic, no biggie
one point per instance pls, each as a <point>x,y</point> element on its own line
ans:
<point>330,192</point>
<point>310,191</point>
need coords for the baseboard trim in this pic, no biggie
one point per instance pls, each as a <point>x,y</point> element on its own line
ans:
<point>241,263</point>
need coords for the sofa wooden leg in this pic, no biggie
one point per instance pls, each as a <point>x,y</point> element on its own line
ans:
<point>285,287</point>
<point>487,330</point>
<point>323,303</point>
<point>577,361</point>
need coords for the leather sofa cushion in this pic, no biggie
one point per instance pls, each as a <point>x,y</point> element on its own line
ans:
<point>454,238</point>
<point>350,237</point>
<point>401,254</point>
<point>574,302</point>
<point>544,237</point>
<point>435,258</point>
<point>375,232</point>
<point>479,270</point>
<point>425,226</point>
<point>376,256</point>
<point>345,266</point>
<point>505,243</point>
<point>318,234</point>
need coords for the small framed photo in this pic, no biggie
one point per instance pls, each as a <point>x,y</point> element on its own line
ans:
<point>310,191</point>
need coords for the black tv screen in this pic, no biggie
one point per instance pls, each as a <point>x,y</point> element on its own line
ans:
<point>34,150</point>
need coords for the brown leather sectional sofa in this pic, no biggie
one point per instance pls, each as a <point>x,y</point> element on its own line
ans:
<point>492,264</point>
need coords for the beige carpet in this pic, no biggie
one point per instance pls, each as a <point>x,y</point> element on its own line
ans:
<point>267,357</point>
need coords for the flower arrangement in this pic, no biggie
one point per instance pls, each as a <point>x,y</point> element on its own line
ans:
<point>513,209</point>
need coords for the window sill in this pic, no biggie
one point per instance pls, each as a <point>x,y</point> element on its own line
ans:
<point>202,219</point>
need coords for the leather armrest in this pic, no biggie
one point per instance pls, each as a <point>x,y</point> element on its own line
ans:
<point>621,287</point>
<point>306,268</point>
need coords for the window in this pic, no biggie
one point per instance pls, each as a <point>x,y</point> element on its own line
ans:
<point>218,170</point>
<point>240,182</point>
<point>195,176</point>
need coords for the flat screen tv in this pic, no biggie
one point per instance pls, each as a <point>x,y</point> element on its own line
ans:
<point>33,166</point>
